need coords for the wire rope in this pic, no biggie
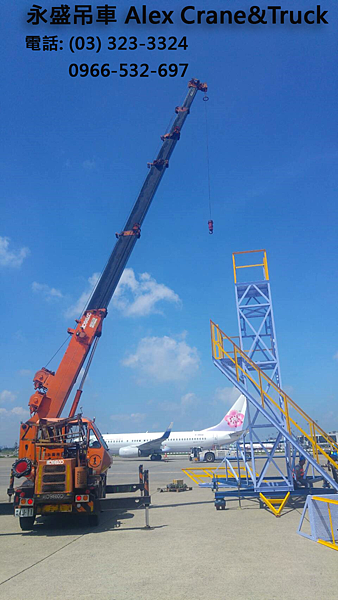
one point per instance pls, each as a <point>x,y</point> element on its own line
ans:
<point>208,160</point>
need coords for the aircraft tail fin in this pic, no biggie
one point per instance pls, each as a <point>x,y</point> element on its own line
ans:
<point>234,419</point>
<point>167,432</point>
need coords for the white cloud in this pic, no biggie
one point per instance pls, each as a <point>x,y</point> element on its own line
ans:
<point>18,411</point>
<point>7,396</point>
<point>89,165</point>
<point>188,400</point>
<point>21,412</point>
<point>185,402</point>
<point>170,406</point>
<point>164,359</point>
<point>226,395</point>
<point>25,372</point>
<point>48,292</point>
<point>135,298</point>
<point>11,258</point>
<point>335,356</point>
<point>77,309</point>
<point>134,417</point>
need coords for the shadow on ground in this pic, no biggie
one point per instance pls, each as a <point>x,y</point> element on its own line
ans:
<point>65,525</point>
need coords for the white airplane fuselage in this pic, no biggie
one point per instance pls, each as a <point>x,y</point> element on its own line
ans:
<point>180,441</point>
<point>229,430</point>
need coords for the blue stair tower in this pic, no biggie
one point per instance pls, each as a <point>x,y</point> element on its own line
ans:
<point>251,363</point>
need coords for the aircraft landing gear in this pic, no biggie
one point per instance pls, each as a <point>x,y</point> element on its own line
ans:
<point>156,457</point>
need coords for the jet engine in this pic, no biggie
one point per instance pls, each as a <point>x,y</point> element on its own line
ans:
<point>130,452</point>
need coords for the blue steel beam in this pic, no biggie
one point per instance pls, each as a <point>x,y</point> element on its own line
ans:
<point>231,375</point>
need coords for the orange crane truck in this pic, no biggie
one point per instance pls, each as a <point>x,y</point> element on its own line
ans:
<point>63,461</point>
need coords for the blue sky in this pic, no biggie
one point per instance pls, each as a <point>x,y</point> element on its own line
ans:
<point>73,159</point>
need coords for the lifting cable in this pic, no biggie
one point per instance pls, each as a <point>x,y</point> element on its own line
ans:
<point>210,222</point>
<point>83,310</point>
<point>58,350</point>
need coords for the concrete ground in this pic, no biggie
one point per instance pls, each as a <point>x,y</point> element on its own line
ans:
<point>191,552</point>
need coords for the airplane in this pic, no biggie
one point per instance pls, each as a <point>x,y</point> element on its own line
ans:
<point>132,445</point>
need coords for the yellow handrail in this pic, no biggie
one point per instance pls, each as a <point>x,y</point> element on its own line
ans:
<point>218,352</point>
<point>197,474</point>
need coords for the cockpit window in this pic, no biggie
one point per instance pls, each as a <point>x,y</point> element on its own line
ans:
<point>93,439</point>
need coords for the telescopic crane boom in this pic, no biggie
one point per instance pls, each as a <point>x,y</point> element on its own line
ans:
<point>65,460</point>
<point>53,389</point>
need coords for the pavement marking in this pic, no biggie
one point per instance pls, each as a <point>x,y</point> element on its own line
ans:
<point>42,559</point>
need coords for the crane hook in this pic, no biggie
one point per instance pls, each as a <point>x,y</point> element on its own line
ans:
<point>211,226</point>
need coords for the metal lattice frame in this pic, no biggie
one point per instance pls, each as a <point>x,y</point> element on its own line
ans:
<point>257,337</point>
<point>253,367</point>
<point>250,380</point>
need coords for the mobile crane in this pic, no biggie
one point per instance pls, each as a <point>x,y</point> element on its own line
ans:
<point>64,460</point>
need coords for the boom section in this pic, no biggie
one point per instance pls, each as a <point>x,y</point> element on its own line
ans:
<point>125,243</point>
<point>52,390</point>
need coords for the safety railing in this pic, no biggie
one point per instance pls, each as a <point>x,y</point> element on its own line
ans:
<point>263,264</point>
<point>328,502</point>
<point>204,474</point>
<point>271,396</point>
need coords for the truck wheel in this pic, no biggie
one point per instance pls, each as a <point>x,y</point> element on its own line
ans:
<point>209,457</point>
<point>26,523</point>
<point>94,519</point>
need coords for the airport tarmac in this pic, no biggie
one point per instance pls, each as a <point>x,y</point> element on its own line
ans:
<point>192,550</point>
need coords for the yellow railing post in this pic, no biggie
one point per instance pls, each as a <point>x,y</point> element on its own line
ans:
<point>236,363</point>
<point>313,440</point>
<point>213,347</point>
<point>234,265</point>
<point>330,517</point>
<point>286,409</point>
<point>261,388</point>
<point>265,264</point>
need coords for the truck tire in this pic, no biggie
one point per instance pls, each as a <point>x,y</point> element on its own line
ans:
<point>26,523</point>
<point>209,457</point>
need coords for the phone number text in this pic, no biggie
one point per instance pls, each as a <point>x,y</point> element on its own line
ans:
<point>127,70</point>
<point>127,43</point>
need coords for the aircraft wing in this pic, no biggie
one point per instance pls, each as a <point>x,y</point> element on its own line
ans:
<point>154,445</point>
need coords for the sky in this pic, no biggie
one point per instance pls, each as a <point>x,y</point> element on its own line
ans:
<point>73,159</point>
